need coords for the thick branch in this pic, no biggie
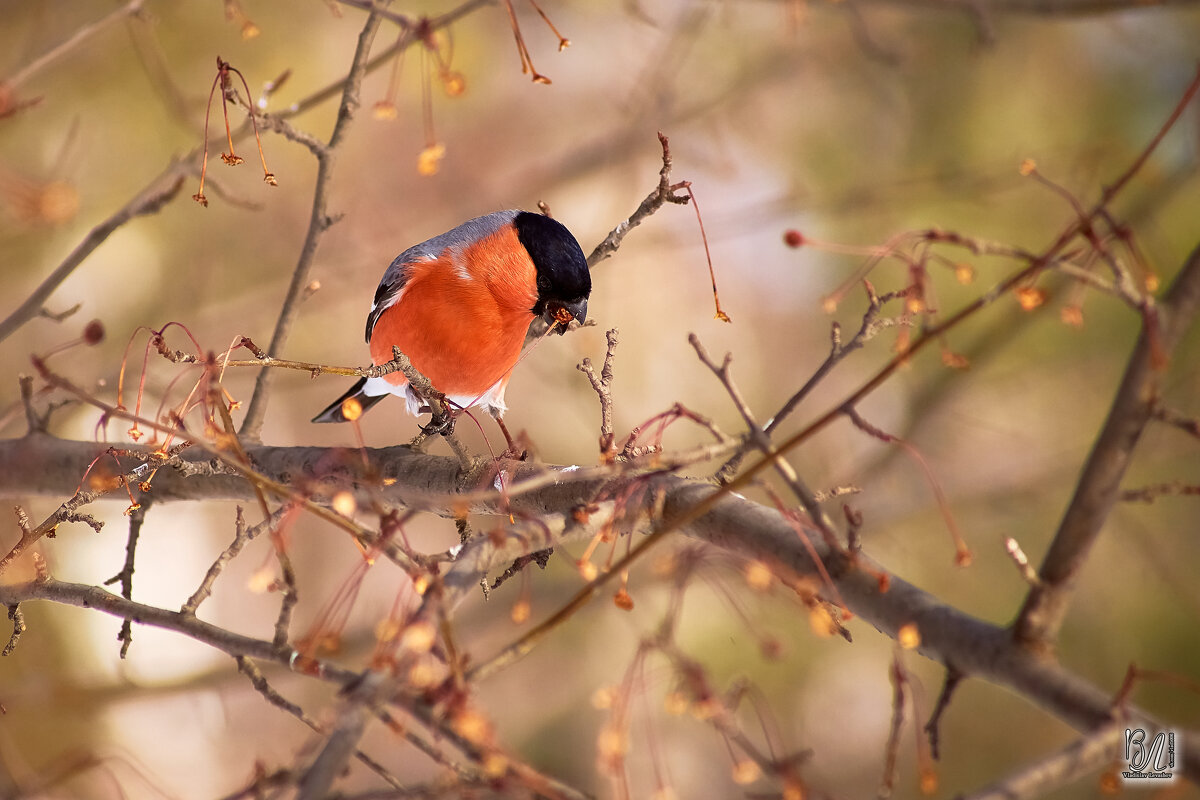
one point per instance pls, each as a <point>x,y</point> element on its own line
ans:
<point>1099,485</point>
<point>969,645</point>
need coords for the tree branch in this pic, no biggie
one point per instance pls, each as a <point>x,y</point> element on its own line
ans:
<point>131,8</point>
<point>319,222</point>
<point>157,194</point>
<point>970,646</point>
<point>1099,484</point>
<point>1083,756</point>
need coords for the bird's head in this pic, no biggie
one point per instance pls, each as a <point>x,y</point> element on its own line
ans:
<point>564,282</point>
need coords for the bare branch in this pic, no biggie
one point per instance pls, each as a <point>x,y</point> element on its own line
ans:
<point>163,188</point>
<point>933,726</point>
<point>240,537</point>
<point>762,441</point>
<point>1189,425</point>
<point>259,681</point>
<point>18,621</point>
<point>150,200</point>
<point>84,596</point>
<point>125,576</point>
<point>84,33</point>
<point>972,647</point>
<point>663,193</point>
<point>602,385</point>
<point>357,708</point>
<point>1099,483</point>
<point>1082,757</point>
<point>872,323</point>
<point>1148,494</point>
<point>319,222</point>
<point>403,43</point>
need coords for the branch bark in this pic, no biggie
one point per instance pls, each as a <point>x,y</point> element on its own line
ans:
<point>1098,488</point>
<point>971,646</point>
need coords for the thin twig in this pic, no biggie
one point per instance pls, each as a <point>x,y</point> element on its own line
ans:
<point>26,72</point>
<point>933,726</point>
<point>663,193</point>
<point>18,621</point>
<point>891,750</point>
<point>870,326</point>
<point>385,56</point>
<point>137,519</point>
<point>319,222</point>
<point>1189,425</point>
<point>241,536</point>
<point>602,385</point>
<point>290,593</point>
<point>539,557</point>
<point>150,200</point>
<point>68,511</point>
<point>762,441</point>
<point>1148,494</point>
<point>259,681</point>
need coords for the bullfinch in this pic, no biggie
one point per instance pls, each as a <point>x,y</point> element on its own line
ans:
<point>459,305</point>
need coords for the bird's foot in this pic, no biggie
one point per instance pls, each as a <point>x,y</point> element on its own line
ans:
<point>439,425</point>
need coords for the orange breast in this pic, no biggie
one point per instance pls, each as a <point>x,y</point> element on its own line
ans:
<point>462,331</point>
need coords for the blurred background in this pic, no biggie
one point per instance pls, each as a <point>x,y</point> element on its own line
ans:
<point>849,121</point>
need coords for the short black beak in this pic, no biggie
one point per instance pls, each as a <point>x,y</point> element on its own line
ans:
<point>563,313</point>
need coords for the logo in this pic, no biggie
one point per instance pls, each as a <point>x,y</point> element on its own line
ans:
<point>1149,757</point>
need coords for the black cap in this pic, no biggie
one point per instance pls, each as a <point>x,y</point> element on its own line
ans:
<point>562,270</point>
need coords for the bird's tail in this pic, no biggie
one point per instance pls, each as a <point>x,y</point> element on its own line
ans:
<point>334,412</point>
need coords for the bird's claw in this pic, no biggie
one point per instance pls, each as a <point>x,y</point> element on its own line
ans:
<point>442,425</point>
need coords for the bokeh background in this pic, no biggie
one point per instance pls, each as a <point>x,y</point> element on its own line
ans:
<point>850,121</point>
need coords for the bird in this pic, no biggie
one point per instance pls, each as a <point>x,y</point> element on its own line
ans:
<point>459,306</point>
